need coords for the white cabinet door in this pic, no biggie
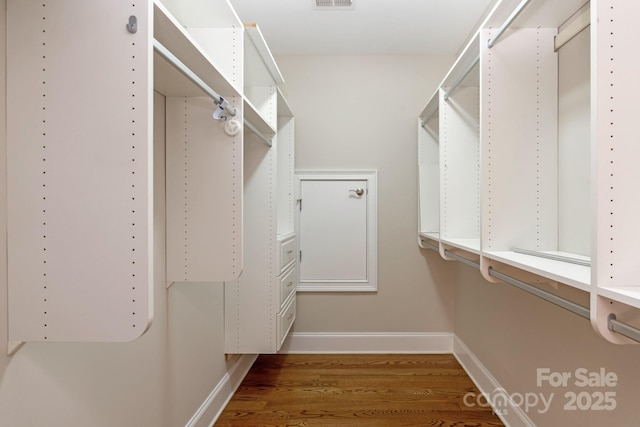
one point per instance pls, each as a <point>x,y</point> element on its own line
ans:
<point>337,232</point>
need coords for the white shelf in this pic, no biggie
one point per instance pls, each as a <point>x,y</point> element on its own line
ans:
<point>465,62</point>
<point>627,295</point>
<point>469,245</point>
<point>574,275</point>
<point>432,236</point>
<point>284,110</point>
<point>254,117</point>
<point>544,14</point>
<point>255,35</point>
<point>168,81</point>
<point>431,109</point>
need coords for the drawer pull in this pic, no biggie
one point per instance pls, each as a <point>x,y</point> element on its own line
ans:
<point>289,316</point>
<point>289,284</point>
<point>290,252</point>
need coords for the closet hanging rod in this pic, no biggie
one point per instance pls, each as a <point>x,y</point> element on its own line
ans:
<point>427,245</point>
<point>508,22</point>
<point>623,329</point>
<point>450,254</point>
<point>186,71</point>
<point>547,296</point>
<point>461,78</point>
<point>463,260</point>
<point>614,325</point>
<point>259,134</point>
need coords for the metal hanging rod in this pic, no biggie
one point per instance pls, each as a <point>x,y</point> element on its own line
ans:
<point>508,22</point>
<point>259,134</point>
<point>180,66</point>
<point>428,245</point>
<point>622,328</point>
<point>452,255</point>
<point>462,259</point>
<point>614,325</point>
<point>461,78</point>
<point>547,296</point>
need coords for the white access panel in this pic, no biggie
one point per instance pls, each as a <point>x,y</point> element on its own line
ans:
<point>336,232</point>
<point>79,167</point>
<point>204,193</point>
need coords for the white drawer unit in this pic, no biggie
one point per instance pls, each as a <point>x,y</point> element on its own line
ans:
<point>287,283</point>
<point>286,251</point>
<point>286,318</point>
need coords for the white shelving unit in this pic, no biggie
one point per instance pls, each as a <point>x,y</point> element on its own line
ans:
<point>204,164</point>
<point>80,161</point>
<point>551,97</point>
<point>260,304</point>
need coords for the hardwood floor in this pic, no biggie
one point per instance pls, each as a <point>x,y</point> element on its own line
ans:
<point>350,390</point>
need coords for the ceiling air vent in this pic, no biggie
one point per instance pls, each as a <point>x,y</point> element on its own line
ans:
<point>333,4</point>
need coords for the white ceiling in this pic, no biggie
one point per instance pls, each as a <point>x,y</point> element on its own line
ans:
<point>374,27</point>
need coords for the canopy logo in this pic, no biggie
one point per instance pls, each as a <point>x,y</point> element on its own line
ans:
<point>583,390</point>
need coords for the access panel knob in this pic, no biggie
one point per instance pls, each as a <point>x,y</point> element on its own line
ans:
<point>358,191</point>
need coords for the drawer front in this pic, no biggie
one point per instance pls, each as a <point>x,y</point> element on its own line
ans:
<point>285,319</point>
<point>287,252</point>
<point>287,284</point>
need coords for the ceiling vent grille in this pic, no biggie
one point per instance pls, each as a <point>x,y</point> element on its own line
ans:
<point>333,4</point>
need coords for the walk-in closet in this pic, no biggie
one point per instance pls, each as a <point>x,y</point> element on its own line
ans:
<point>319,212</point>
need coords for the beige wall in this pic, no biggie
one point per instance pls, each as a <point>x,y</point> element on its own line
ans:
<point>360,112</point>
<point>514,334</point>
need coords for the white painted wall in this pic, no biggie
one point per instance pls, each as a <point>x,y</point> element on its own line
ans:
<point>359,112</point>
<point>158,380</point>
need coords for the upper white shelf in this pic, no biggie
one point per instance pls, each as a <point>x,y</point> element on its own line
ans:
<point>252,115</point>
<point>284,110</point>
<point>170,82</point>
<point>431,108</point>
<point>468,60</point>
<point>543,14</point>
<point>256,37</point>
<point>577,276</point>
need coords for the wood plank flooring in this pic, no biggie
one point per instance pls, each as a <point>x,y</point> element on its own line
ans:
<point>355,390</point>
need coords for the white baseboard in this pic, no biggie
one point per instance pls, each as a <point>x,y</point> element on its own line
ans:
<point>341,343</point>
<point>511,416</point>
<point>213,405</point>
